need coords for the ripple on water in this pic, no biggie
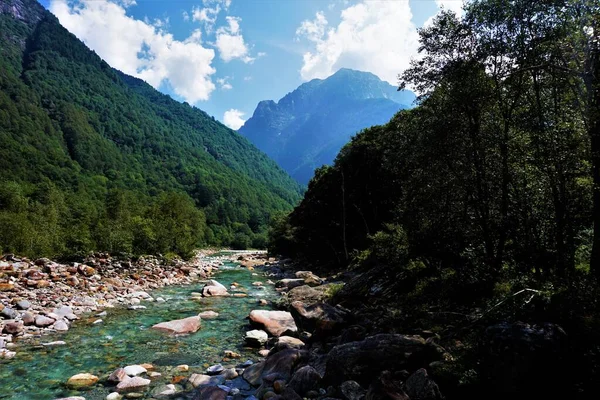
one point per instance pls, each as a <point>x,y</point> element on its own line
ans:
<point>124,338</point>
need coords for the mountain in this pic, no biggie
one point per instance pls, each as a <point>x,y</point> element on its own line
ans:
<point>93,159</point>
<point>309,126</point>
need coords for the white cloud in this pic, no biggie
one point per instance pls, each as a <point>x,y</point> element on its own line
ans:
<point>224,83</point>
<point>247,78</point>
<point>375,36</point>
<point>186,16</point>
<point>455,6</point>
<point>233,118</point>
<point>451,5</point>
<point>138,48</point>
<point>208,14</point>
<point>230,42</point>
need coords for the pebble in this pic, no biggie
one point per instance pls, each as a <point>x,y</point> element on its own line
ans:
<point>56,343</point>
<point>98,321</point>
<point>82,380</point>
<point>114,396</point>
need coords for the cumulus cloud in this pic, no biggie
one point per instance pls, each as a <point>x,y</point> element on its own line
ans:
<point>455,6</point>
<point>233,118</point>
<point>230,42</point>
<point>139,48</point>
<point>375,36</point>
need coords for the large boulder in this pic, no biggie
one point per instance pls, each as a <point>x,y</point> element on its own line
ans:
<point>281,363</point>
<point>304,380</point>
<point>419,386</point>
<point>179,326</point>
<point>274,322</point>
<point>364,360</point>
<point>214,289</point>
<point>306,294</point>
<point>523,358</point>
<point>321,318</point>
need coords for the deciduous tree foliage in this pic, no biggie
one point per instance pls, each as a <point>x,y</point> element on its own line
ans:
<point>93,159</point>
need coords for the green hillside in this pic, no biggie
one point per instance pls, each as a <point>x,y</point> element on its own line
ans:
<point>92,159</point>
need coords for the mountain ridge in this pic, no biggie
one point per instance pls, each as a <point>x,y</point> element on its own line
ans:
<point>308,126</point>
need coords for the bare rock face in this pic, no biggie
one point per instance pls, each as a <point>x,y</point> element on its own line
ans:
<point>179,326</point>
<point>419,386</point>
<point>304,380</point>
<point>274,322</point>
<point>320,317</point>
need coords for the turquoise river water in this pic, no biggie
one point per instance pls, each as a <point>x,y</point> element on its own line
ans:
<point>124,338</point>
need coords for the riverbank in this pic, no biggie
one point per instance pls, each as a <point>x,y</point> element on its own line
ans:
<point>42,296</point>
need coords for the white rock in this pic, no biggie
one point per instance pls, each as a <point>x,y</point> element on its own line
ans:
<point>114,396</point>
<point>134,370</point>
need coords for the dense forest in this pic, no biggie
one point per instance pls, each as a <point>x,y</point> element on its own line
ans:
<point>92,159</point>
<point>482,204</point>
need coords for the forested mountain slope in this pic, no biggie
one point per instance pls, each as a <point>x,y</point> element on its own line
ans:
<point>91,158</point>
<point>308,126</point>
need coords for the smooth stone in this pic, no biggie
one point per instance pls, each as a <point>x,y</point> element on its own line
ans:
<point>136,307</point>
<point>23,305</point>
<point>118,375</point>
<point>98,321</point>
<point>61,326</point>
<point>256,338</point>
<point>160,300</point>
<point>43,321</point>
<point>82,380</point>
<point>71,398</point>
<point>180,326</point>
<point>183,368</point>
<point>274,322</point>
<point>134,370</point>
<point>9,313</point>
<point>208,315</point>
<point>133,384</point>
<point>28,318</point>
<point>201,379</point>
<point>13,328</point>
<point>215,369</point>
<point>114,396</point>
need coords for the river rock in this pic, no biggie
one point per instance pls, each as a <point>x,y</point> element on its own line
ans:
<point>208,315</point>
<point>118,375</point>
<point>43,321</point>
<point>6,287</point>
<point>65,312</point>
<point>364,360</point>
<point>134,370</point>
<point>419,386</point>
<point>180,326</point>
<point>215,369</point>
<point>71,398</point>
<point>289,283</point>
<point>114,396</point>
<point>274,322</point>
<point>213,289</point>
<point>23,305</point>
<point>282,363</point>
<point>201,379</point>
<point>56,343</point>
<point>352,390</point>
<point>86,270</point>
<point>304,380</point>
<point>132,384</point>
<point>256,338</point>
<point>288,342</point>
<point>82,380</point>
<point>9,313</point>
<point>28,318</point>
<point>13,328</point>
<point>321,318</point>
<point>209,393</point>
<point>61,326</point>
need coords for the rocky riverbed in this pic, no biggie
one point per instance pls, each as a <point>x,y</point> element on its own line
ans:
<point>259,329</point>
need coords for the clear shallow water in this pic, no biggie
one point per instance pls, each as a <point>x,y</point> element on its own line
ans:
<point>124,338</point>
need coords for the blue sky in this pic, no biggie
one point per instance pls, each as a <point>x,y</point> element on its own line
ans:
<point>224,56</point>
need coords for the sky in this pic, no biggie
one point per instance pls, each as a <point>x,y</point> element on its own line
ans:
<point>224,56</point>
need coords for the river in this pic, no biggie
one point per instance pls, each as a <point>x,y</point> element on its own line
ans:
<point>124,338</point>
